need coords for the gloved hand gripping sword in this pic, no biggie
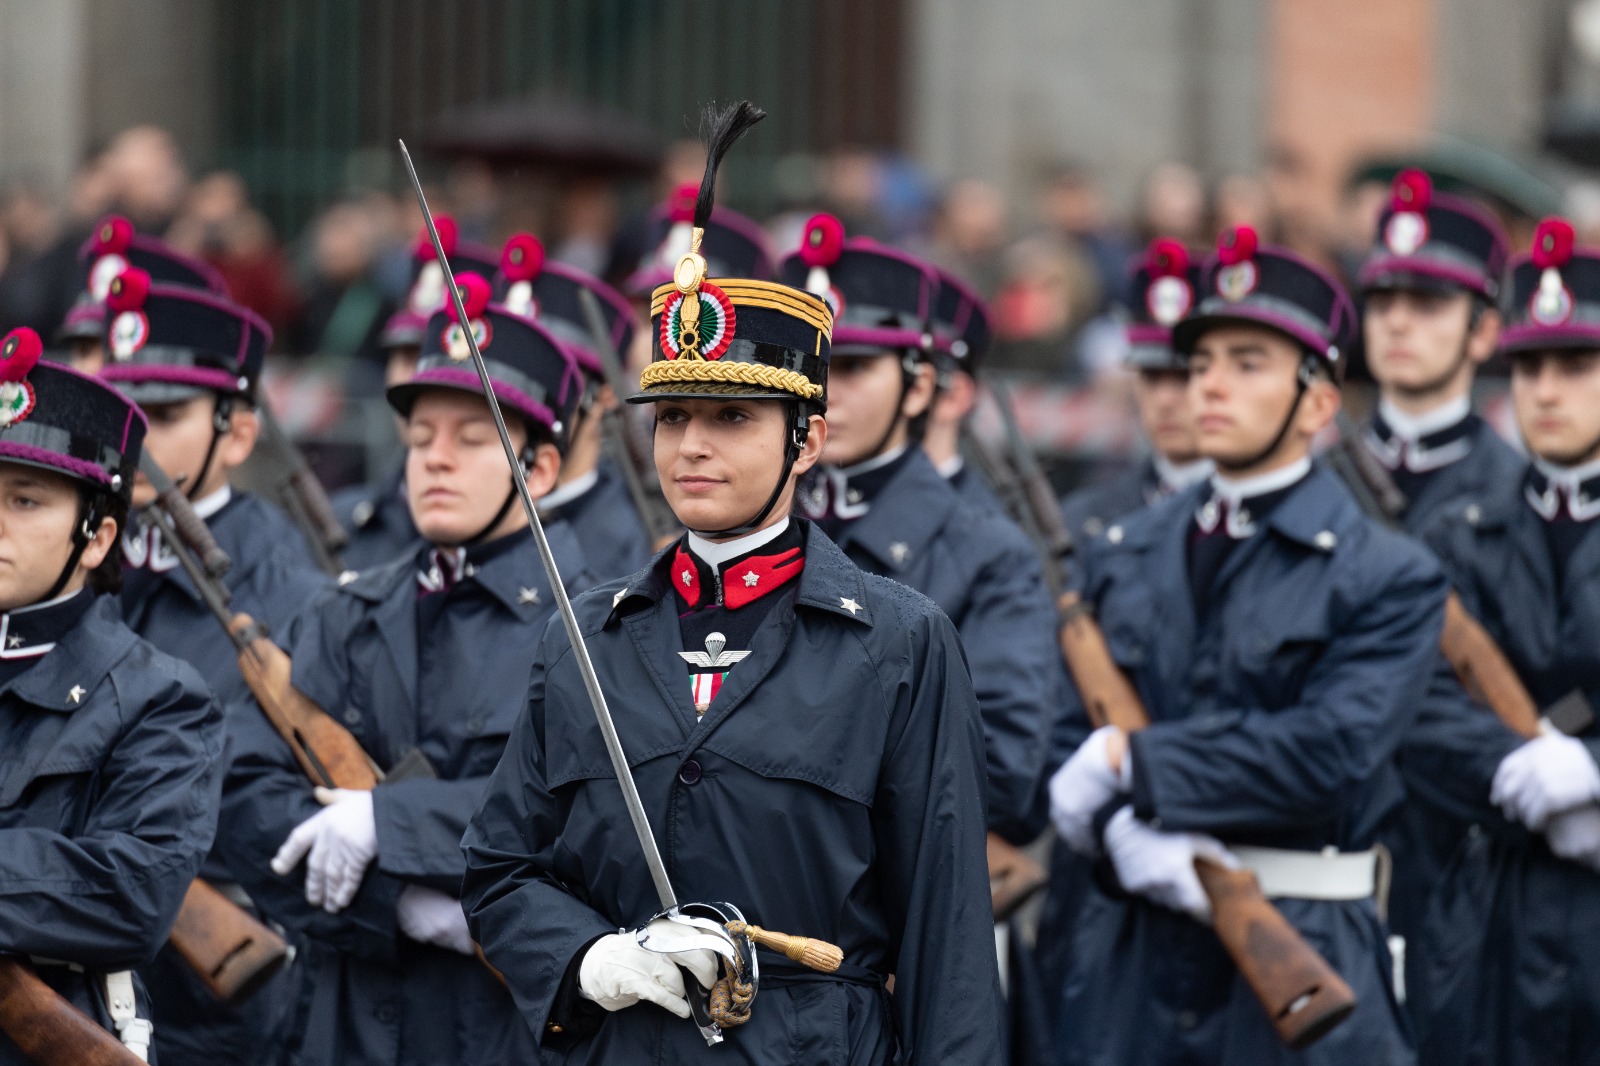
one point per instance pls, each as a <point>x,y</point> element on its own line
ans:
<point>720,927</point>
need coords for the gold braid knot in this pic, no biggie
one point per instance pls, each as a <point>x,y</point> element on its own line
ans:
<point>701,371</point>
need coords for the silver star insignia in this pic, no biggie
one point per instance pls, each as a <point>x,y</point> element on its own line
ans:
<point>750,579</point>
<point>527,595</point>
<point>77,694</point>
<point>618,598</point>
<point>688,578</point>
<point>13,641</point>
<point>850,605</point>
<point>898,552</point>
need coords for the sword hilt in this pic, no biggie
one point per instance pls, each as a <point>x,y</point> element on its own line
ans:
<point>817,955</point>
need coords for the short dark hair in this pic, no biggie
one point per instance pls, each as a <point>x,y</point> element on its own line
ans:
<point>106,579</point>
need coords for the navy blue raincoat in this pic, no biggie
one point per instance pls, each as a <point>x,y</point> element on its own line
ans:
<point>1506,970</point>
<point>834,789</point>
<point>377,519</point>
<point>369,994</point>
<point>1276,715</point>
<point>108,804</point>
<point>608,526</point>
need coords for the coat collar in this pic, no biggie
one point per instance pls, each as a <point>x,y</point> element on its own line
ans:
<point>907,514</point>
<point>1317,511</point>
<point>66,677</point>
<point>232,526</point>
<point>829,582</point>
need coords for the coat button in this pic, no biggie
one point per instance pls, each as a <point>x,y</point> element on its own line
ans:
<point>352,717</point>
<point>690,773</point>
<point>1187,1019</point>
<point>385,1013</point>
<point>474,726</point>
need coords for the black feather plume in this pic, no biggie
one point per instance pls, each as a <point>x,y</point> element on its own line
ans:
<point>720,127</point>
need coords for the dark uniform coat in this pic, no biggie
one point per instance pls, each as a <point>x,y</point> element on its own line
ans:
<point>1507,971</point>
<point>1091,510</point>
<point>1276,716</point>
<point>834,789</point>
<point>614,540</point>
<point>975,490</point>
<point>1487,465</point>
<point>108,803</point>
<point>272,579</point>
<point>370,995</point>
<point>378,521</point>
<point>982,572</point>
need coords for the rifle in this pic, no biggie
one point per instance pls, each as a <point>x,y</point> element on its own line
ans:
<point>1303,996</point>
<point>638,470</point>
<point>50,1030</point>
<point>301,495</point>
<point>1478,661</point>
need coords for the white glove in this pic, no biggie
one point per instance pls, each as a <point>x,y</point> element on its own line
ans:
<point>1546,776</point>
<point>616,972</point>
<point>431,917</point>
<point>1083,785</point>
<point>342,839</point>
<point>1575,836</point>
<point>1160,865</point>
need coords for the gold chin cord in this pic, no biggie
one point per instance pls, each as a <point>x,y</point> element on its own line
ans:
<point>688,275</point>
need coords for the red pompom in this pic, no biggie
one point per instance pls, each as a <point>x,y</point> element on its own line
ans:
<point>1237,245</point>
<point>1166,258</point>
<point>448,235</point>
<point>475,293</point>
<point>680,205</point>
<point>823,242</point>
<point>113,235</point>
<point>523,257</point>
<point>1552,243</point>
<point>1413,191</point>
<point>19,351</point>
<point>128,290</point>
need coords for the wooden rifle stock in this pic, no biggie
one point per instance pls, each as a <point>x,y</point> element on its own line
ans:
<point>1303,996</point>
<point>50,1030</point>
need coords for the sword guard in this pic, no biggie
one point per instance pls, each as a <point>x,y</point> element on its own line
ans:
<point>720,929</point>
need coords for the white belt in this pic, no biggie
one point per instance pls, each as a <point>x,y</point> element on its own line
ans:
<point>1320,875</point>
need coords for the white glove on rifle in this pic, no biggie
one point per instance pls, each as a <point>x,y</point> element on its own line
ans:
<point>1575,836</point>
<point>431,917</point>
<point>1160,865</point>
<point>1083,785</point>
<point>1548,775</point>
<point>616,972</point>
<point>342,839</point>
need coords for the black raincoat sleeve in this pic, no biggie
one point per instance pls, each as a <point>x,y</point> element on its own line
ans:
<point>536,924</point>
<point>931,859</point>
<point>106,897</point>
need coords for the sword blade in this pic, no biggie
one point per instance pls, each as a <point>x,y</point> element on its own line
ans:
<point>580,650</point>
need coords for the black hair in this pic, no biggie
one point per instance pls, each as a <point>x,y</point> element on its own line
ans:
<point>105,579</point>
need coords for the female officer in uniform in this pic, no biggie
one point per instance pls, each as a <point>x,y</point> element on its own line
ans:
<point>804,737</point>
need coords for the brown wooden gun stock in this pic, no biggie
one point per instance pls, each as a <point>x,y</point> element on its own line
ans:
<point>1484,670</point>
<point>1303,996</point>
<point>50,1030</point>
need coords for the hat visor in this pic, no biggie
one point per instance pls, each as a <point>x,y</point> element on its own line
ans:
<point>1416,274</point>
<point>39,459</point>
<point>403,397</point>
<point>709,390</point>
<point>1189,331</point>
<point>1153,357</point>
<point>1531,337</point>
<point>159,393</point>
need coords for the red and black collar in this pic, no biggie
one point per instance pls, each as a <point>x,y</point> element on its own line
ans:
<point>741,580</point>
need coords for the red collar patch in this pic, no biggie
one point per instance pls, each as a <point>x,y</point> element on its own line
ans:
<point>743,581</point>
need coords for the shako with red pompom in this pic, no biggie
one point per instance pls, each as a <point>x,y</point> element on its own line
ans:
<point>108,249</point>
<point>821,245</point>
<point>129,328</point>
<point>1553,244</point>
<point>1410,198</point>
<point>1236,251</point>
<point>19,353</point>
<point>475,292</point>
<point>1170,295</point>
<point>521,263</point>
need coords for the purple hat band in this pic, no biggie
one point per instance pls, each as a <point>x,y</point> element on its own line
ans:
<point>79,468</point>
<point>467,381</point>
<point>1217,312</point>
<point>1427,266</point>
<point>86,316</point>
<point>865,337</point>
<point>163,374</point>
<point>1530,336</point>
<point>1141,333</point>
<point>403,327</point>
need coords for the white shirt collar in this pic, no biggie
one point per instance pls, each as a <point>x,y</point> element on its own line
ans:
<point>1415,427</point>
<point>1175,477</point>
<point>874,463</point>
<point>951,466</point>
<point>714,553</point>
<point>1567,477</point>
<point>1235,491</point>
<point>206,506</point>
<point>562,495</point>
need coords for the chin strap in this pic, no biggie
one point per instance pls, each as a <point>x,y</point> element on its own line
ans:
<point>89,516</point>
<point>221,423</point>
<point>525,464</point>
<point>1303,381</point>
<point>799,432</point>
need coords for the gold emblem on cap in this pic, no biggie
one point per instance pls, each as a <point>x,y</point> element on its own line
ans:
<point>687,276</point>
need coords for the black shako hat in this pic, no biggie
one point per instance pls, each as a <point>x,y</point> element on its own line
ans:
<point>1433,240</point>
<point>1552,298</point>
<point>1165,284</point>
<point>113,248</point>
<point>57,419</point>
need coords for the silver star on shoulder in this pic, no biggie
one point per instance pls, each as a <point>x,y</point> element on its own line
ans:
<point>618,598</point>
<point>527,595</point>
<point>688,578</point>
<point>77,694</point>
<point>898,552</point>
<point>13,641</point>
<point>750,579</point>
<point>850,605</point>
